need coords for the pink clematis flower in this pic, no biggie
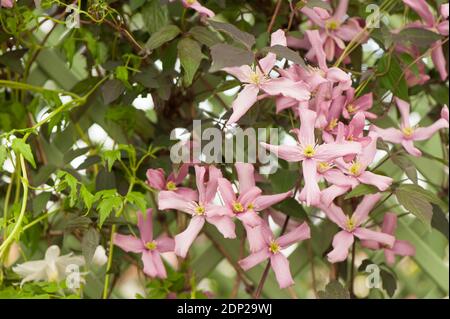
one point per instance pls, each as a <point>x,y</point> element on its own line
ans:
<point>250,201</point>
<point>360,104</point>
<point>7,3</point>
<point>156,179</point>
<point>256,80</point>
<point>334,30</point>
<point>423,10</point>
<point>351,227</point>
<point>400,247</point>
<point>149,248</point>
<point>194,4</point>
<point>271,249</point>
<point>352,174</point>
<point>406,135</point>
<point>202,209</point>
<point>311,154</point>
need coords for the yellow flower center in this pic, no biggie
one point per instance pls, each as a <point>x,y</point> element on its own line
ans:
<point>323,166</point>
<point>171,186</point>
<point>199,209</point>
<point>250,206</point>
<point>333,124</point>
<point>309,151</point>
<point>191,2</point>
<point>255,78</point>
<point>151,245</point>
<point>274,247</point>
<point>355,168</point>
<point>351,108</point>
<point>408,131</point>
<point>332,25</point>
<point>237,207</point>
<point>350,224</point>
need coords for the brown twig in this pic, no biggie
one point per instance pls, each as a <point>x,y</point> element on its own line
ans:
<point>274,16</point>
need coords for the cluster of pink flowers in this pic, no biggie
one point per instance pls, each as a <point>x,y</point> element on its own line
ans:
<point>335,144</point>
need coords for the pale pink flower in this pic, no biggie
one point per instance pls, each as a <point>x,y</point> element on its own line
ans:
<point>400,247</point>
<point>334,30</point>
<point>311,154</point>
<point>351,227</point>
<point>250,201</point>
<point>194,4</point>
<point>157,180</point>
<point>406,135</point>
<point>202,209</point>
<point>7,3</point>
<point>271,249</point>
<point>430,23</point>
<point>257,79</point>
<point>354,105</point>
<point>150,248</point>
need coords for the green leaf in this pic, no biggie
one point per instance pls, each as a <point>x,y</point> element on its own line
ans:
<point>313,4</point>
<point>40,202</point>
<point>111,90</point>
<point>3,155</point>
<point>288,54</point>
<point>361,190</point>
<point>204,35</point>
<point>334,290</point>
<point>190,55</point>
<point>121,73</point>
<point>225,55</point>
<point>420,37</point>
<point>439,221</point>
<point>407,166</point>
<point>393,78</point>
<point>89,244</point>
<point>165,34</point>
<point>292,208</point>
<point>87,197</point>
<point>247,39</point>
<point>106,206</point>
<point>389,282</point>
<point>110,157</point>
<point>72,183</point>
<point>20,147</point>
<point>415,202</point>
<point>155,15</point>
<point>138,199</point>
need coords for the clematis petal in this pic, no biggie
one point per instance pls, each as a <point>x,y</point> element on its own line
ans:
<point>155,178</point>
<point>129,243</point>
<point>403,248</point>
<point>187,193</point>
<point>185,239</point>
<point>330,193</point>
<point>287,152</point>
<point>242,73</point>
<point>410,148</point>
<point>365,207</point>
<point>317,47</point>
<point>280,266</point>
<point>265,201</point>
<point>224,225</point>
<point>149,264</point>
<point>226,192</point>
<point>246,176</point>
<point>403,107</point>
<point>254,259</point>
<point>422,9</point>
<point>370,244</point>
<point>390,134</point>
<point>172,200</point>
<point>340,11</point>
<point>331,151</point>
<point>367,234</point>
<point>306,132</point>
<point>286,87</point>
<point>249,218</point>
<point>245,99</point>
<point>159,265</point>
<point>199,8</point>
<point>379,181</point>
<point>424,133</point>
<point>278,38</point>
<point>300,233</point>
<point>342,242</point>
<point>165,244</point>
<point>311,187</point>
<point>145,225</point>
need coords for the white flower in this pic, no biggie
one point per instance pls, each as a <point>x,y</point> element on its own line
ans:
<point>52,268</point>
<point>99,257</point>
